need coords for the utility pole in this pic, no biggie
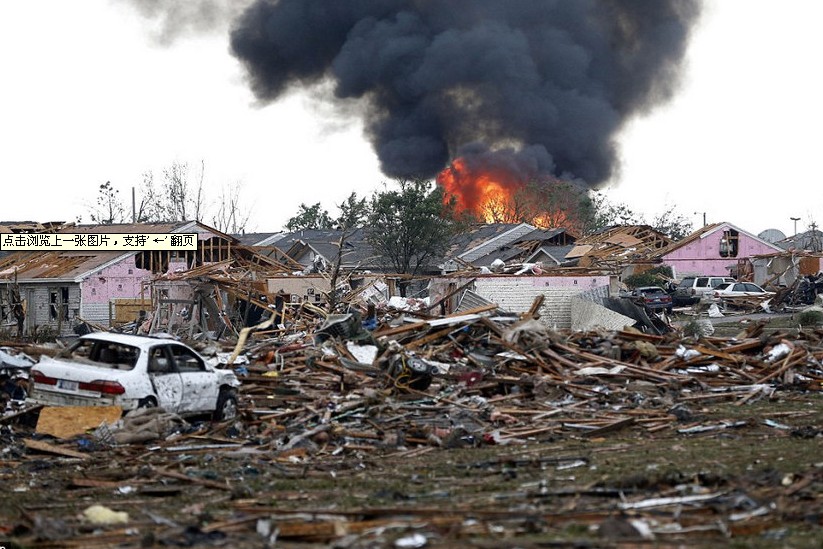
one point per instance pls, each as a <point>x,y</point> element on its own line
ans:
<point>704,217</point>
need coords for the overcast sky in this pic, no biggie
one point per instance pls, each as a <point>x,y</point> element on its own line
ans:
<point>89,96</point>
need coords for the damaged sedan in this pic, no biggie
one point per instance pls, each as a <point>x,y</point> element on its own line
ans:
<point>108,369</point>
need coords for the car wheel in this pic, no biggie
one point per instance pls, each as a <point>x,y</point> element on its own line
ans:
<point>226,406</point>
<point>147,402</point>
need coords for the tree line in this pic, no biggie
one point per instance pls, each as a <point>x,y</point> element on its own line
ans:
<point>409,222</point>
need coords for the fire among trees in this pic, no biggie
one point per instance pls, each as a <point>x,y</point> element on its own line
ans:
<point>497,196</point>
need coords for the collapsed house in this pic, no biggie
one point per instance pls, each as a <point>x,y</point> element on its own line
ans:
<point>54,292</point>
<point>564,281</point>
<point>622,250</point>
<point>546,297</point>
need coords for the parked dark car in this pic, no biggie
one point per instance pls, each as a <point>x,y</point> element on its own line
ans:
<point>653,298</point>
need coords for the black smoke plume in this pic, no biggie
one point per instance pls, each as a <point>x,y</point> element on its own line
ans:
<point>552,80</point>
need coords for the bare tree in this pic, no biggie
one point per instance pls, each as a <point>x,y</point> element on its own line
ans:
<point>352,213</point>
<point>230,216</point>
<point>183,200</point>
<point>149,208</point>
<point>549,203</point>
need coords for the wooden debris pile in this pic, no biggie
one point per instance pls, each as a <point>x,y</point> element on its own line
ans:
<point>505,379</point>
<point>340,427</point>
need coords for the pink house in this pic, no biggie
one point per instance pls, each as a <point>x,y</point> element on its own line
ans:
<point>719,249</point>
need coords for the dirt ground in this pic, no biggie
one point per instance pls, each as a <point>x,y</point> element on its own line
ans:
<point>755,483</point>
<point>725,472</point>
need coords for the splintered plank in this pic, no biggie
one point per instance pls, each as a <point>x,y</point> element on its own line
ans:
<point>42,446</point>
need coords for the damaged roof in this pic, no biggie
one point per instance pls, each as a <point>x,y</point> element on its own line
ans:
<point>259,239</point>
<point>64,265</point>
<point>75,264</point>
<point>811,240</point>
<point>543,245</point>
<point>325,242</point>
<point>620,244</point>
<point>482,239</point>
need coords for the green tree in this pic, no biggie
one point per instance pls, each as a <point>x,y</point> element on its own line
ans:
<point>353,211</point>
<point>605,213</point>
<point>310,217</point>
<point>410,226</point>
<point>673,224</point>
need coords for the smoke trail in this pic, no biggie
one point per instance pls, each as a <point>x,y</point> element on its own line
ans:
<point>173,18</point>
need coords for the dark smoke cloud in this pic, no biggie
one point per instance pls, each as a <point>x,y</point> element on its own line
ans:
<point>548,82</point>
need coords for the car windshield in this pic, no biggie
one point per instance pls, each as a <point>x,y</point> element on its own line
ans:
<point>723,286</point>
<point>101,353</point>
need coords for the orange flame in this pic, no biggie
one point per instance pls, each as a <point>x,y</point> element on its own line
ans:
<point>481,194</point>
<point>497,196</point>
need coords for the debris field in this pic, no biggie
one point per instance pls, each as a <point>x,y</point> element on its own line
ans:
<point>477,429</point>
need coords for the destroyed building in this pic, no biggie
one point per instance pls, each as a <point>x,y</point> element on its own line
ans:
<point>59,290</point>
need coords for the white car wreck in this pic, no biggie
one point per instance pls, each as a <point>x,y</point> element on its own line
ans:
<point>108,369</point>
